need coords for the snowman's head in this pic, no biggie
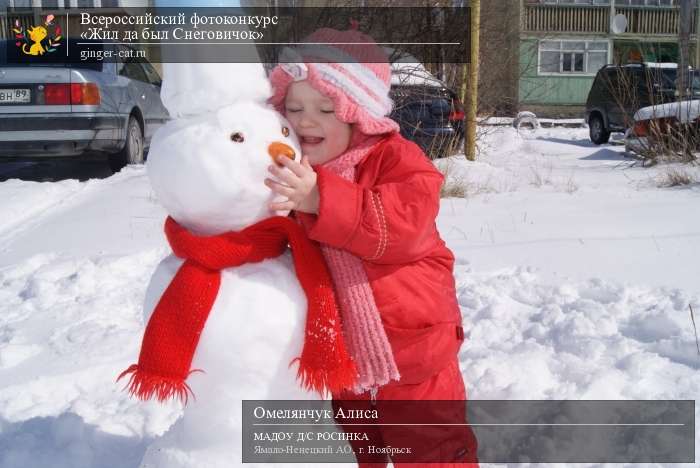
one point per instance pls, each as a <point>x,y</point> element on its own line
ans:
<point>208,171</point>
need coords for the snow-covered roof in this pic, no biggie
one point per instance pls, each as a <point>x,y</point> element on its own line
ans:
<point>684,111</point>
<point>661,65</point>
<point>407,73</point>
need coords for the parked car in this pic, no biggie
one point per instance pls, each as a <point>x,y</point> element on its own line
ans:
<point>52,108</point>
<point>427,110</point>
<point>664,127</point>
<point>618,91</point>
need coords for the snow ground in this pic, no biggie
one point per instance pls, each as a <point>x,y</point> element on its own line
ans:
<point>575,273</point>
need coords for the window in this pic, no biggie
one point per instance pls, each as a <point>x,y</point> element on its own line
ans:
<point>572,61</point>
<point>131,69</point>
<point>646,2</point>
<point>572,57</point>
<point>151,73</point>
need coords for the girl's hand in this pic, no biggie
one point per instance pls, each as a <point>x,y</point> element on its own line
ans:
<point>299,185</point>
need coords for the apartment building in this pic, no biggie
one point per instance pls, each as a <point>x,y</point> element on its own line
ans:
<point>564,42</point>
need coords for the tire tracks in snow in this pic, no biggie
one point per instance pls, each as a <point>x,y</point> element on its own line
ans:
<point>64,202</point>
<point>34,217</point>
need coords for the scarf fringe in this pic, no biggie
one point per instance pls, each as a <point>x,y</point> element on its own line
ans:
<point>362,328</point>
<point>145,385</point>
<point>323,381</point>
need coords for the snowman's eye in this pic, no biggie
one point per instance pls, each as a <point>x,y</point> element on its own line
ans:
<point>285,131</point>
<point>237,137</point>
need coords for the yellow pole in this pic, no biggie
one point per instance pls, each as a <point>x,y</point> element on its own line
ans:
<point>470,140</point>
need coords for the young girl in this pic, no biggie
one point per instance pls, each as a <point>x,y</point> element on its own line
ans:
<point>370,198</point>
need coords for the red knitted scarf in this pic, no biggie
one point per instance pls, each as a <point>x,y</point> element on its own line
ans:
<point>173,330</point>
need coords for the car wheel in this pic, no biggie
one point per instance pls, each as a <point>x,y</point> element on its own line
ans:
<point>597,131</point>
<point>132,153</point>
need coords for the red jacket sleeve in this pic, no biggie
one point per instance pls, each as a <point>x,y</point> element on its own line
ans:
<point>391,222</point>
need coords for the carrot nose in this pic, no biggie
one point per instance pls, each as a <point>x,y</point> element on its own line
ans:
<point>277,148</point>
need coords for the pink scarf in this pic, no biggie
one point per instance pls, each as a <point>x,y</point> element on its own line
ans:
<point>362,325</point>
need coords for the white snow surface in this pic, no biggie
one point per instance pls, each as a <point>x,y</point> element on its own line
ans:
<point>485,121</point>
<point>575,272</point>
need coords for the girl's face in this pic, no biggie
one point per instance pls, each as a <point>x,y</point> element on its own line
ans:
<point>322,136</point>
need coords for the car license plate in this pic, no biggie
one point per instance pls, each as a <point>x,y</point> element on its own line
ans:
<point>15,96</point>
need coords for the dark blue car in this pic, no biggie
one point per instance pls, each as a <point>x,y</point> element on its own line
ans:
<point>428,112</point>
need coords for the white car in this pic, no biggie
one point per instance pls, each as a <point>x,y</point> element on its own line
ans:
<point>52,107</point>
<point>654,123</point>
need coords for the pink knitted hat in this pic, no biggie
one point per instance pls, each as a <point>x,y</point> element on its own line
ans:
<point>349,68</point>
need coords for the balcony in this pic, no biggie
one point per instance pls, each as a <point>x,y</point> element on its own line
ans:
<point>656,21</point>
<point>643,21</point>
<point>569,18</point>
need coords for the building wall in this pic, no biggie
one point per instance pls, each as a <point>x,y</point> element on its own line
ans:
<point>548,90</point>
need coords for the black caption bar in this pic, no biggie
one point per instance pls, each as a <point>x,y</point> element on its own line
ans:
<point>490,431</point>
<point>251,34</point>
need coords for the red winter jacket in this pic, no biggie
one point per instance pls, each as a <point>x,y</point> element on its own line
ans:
<point>387,218</point>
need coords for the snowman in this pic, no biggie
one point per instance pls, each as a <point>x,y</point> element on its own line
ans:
<point>232,314</point>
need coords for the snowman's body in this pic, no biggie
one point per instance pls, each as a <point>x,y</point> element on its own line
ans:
<point>255,329</point>
<point>207,167</point>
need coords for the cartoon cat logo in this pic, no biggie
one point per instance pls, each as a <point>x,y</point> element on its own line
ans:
<point>31,40</point>
<point>36,35</point>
